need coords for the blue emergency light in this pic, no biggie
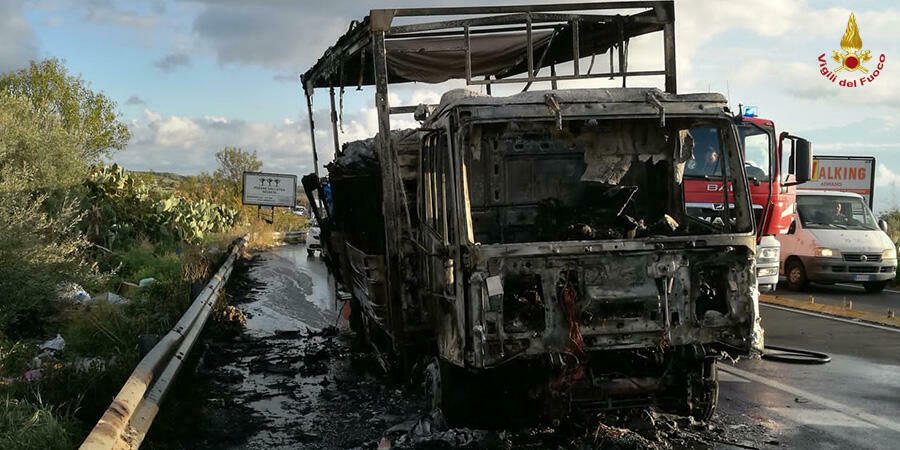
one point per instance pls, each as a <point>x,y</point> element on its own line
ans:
<point>749,111</point>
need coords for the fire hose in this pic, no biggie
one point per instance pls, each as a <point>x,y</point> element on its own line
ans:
<point>794,355</point>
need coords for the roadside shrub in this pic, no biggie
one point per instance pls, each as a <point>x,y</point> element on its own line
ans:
<point>34,425</point>
<point>37,252</point>
<point>122,209</point>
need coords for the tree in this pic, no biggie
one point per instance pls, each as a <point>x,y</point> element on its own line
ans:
<point>88,115</point>
<point>892,218</point>
<point>233,162</point>
<point>36,153</point>
<point>40,244</point>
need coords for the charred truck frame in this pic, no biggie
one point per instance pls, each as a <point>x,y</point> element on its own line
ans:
<point>538,245</point>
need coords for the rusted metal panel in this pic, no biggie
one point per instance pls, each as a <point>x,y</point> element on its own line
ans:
<point>367,281</point>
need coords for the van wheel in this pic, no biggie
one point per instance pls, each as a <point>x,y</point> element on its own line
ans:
<point>796,275</point>
<point>874,287</point>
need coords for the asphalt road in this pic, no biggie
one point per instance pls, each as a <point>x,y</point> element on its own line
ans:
<point>851,402</point>
<point>834,295</point>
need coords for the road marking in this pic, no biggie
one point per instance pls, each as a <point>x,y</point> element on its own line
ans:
<point>858,286</point>
<point>831,404</point>
<point>820,417</point>
<point>729,378</point>
<point>826,316</point>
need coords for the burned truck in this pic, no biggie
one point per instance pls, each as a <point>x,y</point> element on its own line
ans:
<point>537,246</point>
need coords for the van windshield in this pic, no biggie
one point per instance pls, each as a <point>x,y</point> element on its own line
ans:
<point>833,212</point>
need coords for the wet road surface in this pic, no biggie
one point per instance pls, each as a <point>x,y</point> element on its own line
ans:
<point>851,402</point>
<point>834,294</point>
<point>290,380</point>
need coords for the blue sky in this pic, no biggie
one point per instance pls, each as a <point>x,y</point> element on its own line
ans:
<point>193,76</point>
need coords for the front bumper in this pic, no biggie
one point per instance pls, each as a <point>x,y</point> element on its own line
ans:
<point>767,268</point>
<point>767,275</point>
<point>838,270</point>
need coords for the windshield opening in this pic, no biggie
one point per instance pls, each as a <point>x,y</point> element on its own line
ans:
<point>591,179</point>
<point>706,161</point>
<point>757,148</point>
<point>834,212</point>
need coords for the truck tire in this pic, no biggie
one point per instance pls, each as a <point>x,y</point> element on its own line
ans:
<point>874,287</point>
<point>444,396</point>
<point>702,394</point>
<point>796,275</point>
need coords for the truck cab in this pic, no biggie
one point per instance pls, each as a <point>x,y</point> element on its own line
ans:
<point>559,240</point>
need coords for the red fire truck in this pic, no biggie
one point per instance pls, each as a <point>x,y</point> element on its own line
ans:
<point>774,168</point>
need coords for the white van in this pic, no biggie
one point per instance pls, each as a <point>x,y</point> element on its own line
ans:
<point>835,238</point>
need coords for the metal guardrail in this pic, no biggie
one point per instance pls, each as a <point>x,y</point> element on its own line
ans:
<point>127,420</point>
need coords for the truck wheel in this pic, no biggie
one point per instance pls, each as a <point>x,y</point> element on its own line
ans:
<point>796,275</point>
<point>874,287</point>
<point>310,252</point>
<point>433,398</point>
<point>444,393</point>
<point>703,392</point>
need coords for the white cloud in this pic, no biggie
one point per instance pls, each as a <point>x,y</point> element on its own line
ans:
<point>188,145</point>
<point>18,44</point>
<point>886,177</point>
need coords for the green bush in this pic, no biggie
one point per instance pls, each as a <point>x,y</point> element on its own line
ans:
<point>37,252</point>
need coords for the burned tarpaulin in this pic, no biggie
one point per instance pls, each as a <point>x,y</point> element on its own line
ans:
<point>435,60</point>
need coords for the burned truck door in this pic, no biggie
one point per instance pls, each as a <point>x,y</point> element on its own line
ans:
<point>437,236</point>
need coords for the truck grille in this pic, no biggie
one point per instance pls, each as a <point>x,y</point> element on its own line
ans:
<point>858,257</point>
<point>863,269</point>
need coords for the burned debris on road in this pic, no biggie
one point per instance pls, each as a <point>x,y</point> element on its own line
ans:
<point>323,389</point>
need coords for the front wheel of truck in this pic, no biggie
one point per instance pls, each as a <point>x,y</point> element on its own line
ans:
<point>702,395</point>
<point>442,393</point>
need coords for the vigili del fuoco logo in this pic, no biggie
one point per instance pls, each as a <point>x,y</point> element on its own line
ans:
<point>852,59</point>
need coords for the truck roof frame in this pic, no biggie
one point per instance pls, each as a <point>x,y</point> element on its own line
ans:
<point>345,63</point>
<point>350,60</point>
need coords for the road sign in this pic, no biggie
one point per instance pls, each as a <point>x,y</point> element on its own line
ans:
<point>843,173</point>
<point>269,189</point>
